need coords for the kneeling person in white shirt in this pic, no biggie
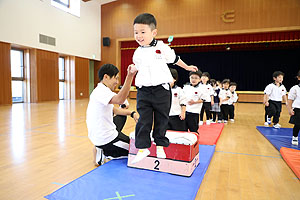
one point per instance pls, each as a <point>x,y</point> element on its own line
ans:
<point>102,131</point>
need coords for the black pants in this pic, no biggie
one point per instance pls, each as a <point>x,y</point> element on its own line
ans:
<point>295,119</point>
<point>215,115</point>
<point>120,145</point>
<point>273,110</point>
<point>225,111</point>
<point>206,106</point>
<point>176,124</point>
<point>153,103</point>
<point>191,121</point>
<point>119,121</point>
<point>231,111</point>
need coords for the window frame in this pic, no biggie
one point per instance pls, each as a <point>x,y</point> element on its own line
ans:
<point>22,78</point>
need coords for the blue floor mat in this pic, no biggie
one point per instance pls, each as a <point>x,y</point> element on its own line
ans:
<point>114,180</point>
<point>281,137</point>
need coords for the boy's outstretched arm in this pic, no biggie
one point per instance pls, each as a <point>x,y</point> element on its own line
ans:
<point>182,64</point>
<point>123,93</point>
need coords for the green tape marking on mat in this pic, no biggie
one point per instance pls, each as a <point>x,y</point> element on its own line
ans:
<point>120,197</point>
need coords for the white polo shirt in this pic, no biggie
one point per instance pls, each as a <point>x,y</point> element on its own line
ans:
<point>151,63</point>
<point>178,98</point>
<point>99,116</point>
<point>275,93</point>
<point>294,95</point>
<point>207,91</point>
<point>223,94</point>
<point>193,93</point>
<point>233,98</point>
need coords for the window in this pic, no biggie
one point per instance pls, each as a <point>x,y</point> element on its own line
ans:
<point>65,3</point>
<point>61,74</point>
<point>17,75</point>
<point>69,6</point>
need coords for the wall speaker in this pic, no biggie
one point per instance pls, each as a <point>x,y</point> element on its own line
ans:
<point>106,41</point>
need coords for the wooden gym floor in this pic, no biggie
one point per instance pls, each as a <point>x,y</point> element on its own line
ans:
<point>45,145</point>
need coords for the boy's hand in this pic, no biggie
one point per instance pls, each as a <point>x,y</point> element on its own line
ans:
<point>136,117</point>
<point>192,68</point>
<point>182,116</point>
<point>267,104</point>
<point>131,69</point>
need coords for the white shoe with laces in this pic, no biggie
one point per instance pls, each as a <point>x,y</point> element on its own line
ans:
<point>200,123</point>
<point>268,120</point>
<point>295,141</point>
<point>100,157</point>
<point>266,124</point>
<point>232,120</point>
<point>277,125</point>
<point>207,122</point>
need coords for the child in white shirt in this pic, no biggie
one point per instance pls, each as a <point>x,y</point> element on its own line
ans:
<point>273,94</point>
<point>178,105</point>
<point>224,97</point>
<point>294,109</point>
<point>194,95</point>
<point>233,99</point>
<point>208,98</point>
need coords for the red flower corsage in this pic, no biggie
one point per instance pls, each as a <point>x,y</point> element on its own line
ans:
<point>196,92</point>
<point>158,51</point>
<point>175,94</point>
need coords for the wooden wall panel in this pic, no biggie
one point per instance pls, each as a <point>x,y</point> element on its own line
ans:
<point>5,74</point>
<point>81,78</point>
<point>196,17</point>
<point>44,76</point>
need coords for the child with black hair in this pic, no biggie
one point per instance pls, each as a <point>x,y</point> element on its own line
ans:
<point>294,109</point>
<point>232,100</point>
<point>208,98</point>
<point>273,95</point>
<point>103,133</point>
<point>178,105</point>
<point>215,108</point>
<point>153,89</point>
<point>194,95</point>
<point>224,97</point>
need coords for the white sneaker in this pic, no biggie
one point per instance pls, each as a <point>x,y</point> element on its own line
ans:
<point>219,121</point>
<point>277,125</point>
<point>295,141</point>
<point>212,122</point>
<point>268,120</point>
<point>100,157</point>
<point>160,153</point>
<point>207,122</point>
<point>266,124</point>
<point>232,120</point>
<point>142,153</point>
<point>225,121</point>
<point>200,123</point>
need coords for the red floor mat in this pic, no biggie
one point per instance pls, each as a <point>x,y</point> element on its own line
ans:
<point>209,135</point>
<point>292,158</point>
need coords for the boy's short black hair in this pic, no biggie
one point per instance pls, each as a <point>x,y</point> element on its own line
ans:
<point>232,84</point>
<point>206,74</point>
<point>146,18</point>
<point>277,73</point>
<point>174,73</point>
<point>213,82</point>
<point>199,73</point>
<point>226,81</point>
<point>108,69</point>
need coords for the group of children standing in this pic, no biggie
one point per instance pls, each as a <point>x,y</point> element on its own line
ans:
<point>273,95</point>
<point>201,95</point>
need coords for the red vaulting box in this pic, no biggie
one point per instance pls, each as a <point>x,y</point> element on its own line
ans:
<point>182,154</point>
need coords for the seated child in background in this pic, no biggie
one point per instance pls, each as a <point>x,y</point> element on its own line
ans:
<point>233,99</point>
<point>178,105</point>
<point>294,109</point>
<point>193,94</point>
<point>224,97</point>
<point>215,108</point>
<point>273,94</point>
<point>208,98</point>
